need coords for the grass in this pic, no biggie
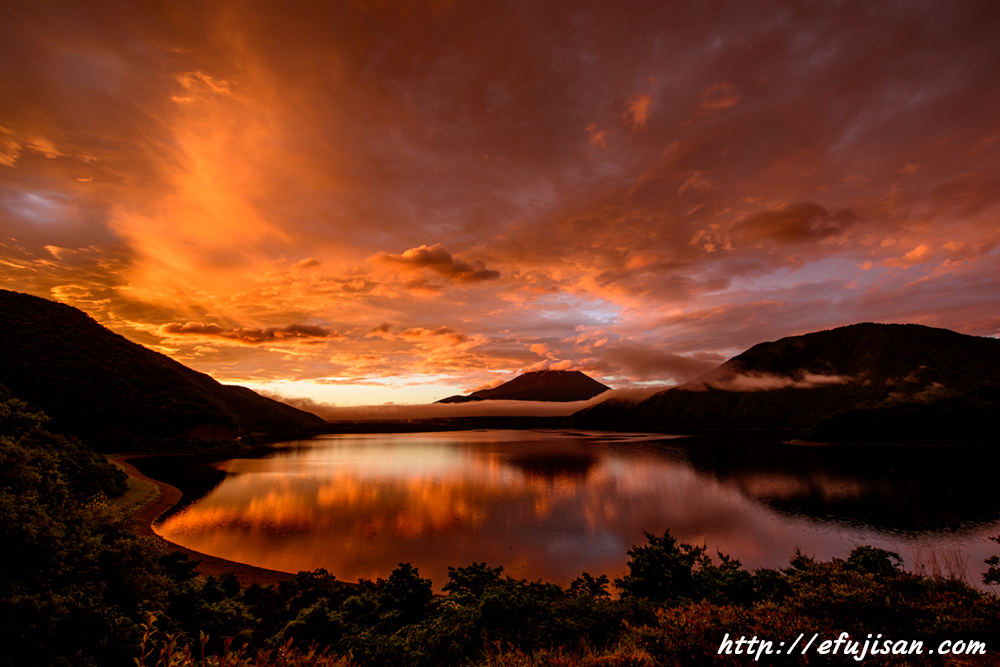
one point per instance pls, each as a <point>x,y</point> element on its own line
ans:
<point>140,493</point>
<point>944,563</point>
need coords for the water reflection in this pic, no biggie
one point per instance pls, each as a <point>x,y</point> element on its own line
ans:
<point>886,487</point>
<point>550,505</point>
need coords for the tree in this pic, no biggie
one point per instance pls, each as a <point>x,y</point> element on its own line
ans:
<point>992,575</point>
<point>661,571</point>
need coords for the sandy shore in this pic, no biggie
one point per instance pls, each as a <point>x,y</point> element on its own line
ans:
<point>208,565</point>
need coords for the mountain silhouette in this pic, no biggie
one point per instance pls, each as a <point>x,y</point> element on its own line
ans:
<point>554,386</point>
<point>856,383</point>
<point>117,395</point>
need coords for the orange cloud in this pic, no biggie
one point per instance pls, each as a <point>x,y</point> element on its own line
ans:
<point>598,138</point>
<point>45,147</point>
<point>554,365</point>
<point>637,111</point>
<point>196,83</point>
<point>9,152</point>
<point>718,97</point>
<point>418,333</point>
<point>916,256</point>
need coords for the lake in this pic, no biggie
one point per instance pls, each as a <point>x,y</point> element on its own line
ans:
<point>551,504</point>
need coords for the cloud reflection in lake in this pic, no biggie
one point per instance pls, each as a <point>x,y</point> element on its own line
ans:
<point>545,505</point>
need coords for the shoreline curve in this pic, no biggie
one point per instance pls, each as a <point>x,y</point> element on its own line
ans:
<point>207,564</point>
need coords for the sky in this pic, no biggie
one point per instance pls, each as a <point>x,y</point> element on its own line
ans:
<point>361,203</point>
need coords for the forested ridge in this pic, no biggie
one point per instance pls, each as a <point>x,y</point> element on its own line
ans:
<point>120,396</point>
<point>862,383</point>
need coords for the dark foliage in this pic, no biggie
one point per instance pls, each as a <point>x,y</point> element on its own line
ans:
<point>992,575</point>
<point>74,577</point>
<point>673,618</point>
<point>77,587</point>
<point>970,418</point>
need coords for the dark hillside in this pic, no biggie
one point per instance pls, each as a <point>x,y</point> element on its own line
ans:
<point>799,381</point>
<point>970,418</point>
<point>905,356</point>
<point>117,395</point>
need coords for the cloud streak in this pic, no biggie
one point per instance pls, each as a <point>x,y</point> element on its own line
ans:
<point>249,336</point>
<point>747,381</point>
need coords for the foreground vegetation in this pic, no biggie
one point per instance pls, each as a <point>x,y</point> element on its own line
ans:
<point>79,587</point>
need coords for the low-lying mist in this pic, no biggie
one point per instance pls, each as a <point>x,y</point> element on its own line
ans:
<point>394,412</point>
<point>727,380</point>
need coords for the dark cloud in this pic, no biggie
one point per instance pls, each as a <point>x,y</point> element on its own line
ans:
<point>804,222</point>
<point>383,330</point>
<point>640,363</point>
<point>969,195</point>
<point>438,260</point>
<point>418,333</point>
<point>249,336</point>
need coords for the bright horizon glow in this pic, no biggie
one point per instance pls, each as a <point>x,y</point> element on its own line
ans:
<point>350,395</point>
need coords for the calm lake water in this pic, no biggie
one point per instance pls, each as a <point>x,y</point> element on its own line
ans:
<point>552,504</point>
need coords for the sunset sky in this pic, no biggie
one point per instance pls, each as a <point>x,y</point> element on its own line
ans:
<point>370,202</point>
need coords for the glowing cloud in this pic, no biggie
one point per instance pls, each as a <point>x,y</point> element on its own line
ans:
<point>598,138</point>
<point>911,258</point>
<point>718,97</point>
<point>637,111</point>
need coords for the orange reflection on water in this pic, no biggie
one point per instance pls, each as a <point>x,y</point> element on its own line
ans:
<point>545,505</point>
